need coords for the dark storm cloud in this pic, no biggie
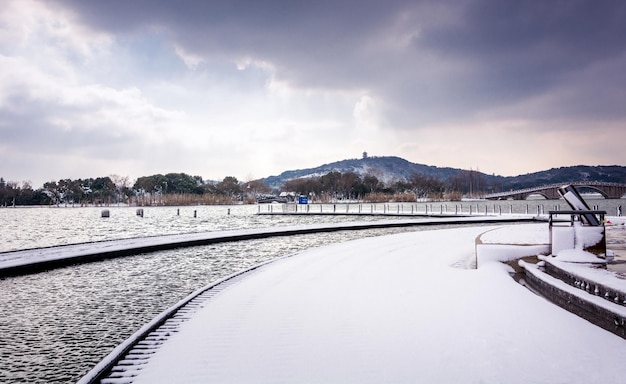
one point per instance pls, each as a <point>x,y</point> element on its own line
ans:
<point>276,25</point>
<point>577,30</point>
<point>509,50</point>
<point>306,40</point>
<point>527,46</point>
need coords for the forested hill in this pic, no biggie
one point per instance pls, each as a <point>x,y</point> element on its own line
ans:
<point>386,169</point>
<point>604,173</point>
<point>389,168</point>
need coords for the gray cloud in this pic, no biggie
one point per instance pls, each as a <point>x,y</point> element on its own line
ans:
<point>507,50</point>
<point>521,49</point>
<point>421,64</point>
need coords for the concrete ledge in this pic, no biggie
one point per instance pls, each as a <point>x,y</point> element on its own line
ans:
<point>186,307</point>
<point>42,259</point>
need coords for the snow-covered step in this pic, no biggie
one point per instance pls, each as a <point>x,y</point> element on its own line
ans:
<point>592,278</point>
<point>593,307</point>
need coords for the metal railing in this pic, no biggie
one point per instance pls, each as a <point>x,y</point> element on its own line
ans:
<point>575,216</point>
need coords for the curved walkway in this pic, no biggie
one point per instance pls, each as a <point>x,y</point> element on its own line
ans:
<point>386,309</point>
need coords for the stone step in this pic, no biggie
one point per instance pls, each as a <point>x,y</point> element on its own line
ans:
<point>594,308</point>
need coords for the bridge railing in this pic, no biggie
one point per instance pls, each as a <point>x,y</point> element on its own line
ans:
<point>574,216</point>
<point>554,186</point>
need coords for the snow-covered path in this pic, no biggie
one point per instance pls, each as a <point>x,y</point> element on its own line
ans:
<point>388,309</point>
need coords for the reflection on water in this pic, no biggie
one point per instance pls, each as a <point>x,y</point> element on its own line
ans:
<point>24,228</point>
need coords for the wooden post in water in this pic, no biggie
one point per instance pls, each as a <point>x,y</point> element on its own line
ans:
<point>195,213</point>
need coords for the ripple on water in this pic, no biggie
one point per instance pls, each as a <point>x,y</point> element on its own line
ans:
<point>58,324</point>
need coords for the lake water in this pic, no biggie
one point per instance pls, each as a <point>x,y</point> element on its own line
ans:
<point>56,325</point>
<point>25,228</point>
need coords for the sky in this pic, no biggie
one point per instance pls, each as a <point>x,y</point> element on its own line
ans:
<point>251,89</point>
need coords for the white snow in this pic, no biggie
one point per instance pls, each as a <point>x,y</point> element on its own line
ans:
<point>577,238</point>
<point>597,300</point>
<point>516,234</point>
<point>386,310</point>
<point>512,242</point>
<point>577,256</point>
<point>587,272</point>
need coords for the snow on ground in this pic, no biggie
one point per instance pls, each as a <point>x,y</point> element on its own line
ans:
<point>386,310</point>
<point>512,242</point>
<point>516,234</point>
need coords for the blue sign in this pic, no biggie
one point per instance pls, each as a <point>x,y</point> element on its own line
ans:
<point>303,200</point>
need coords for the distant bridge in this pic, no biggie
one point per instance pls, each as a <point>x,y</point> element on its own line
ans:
<point>607,190</point>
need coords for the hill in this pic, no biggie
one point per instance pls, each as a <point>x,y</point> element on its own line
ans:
<point>390,168</point>
<point>385,168</point>
<point>604,173</point>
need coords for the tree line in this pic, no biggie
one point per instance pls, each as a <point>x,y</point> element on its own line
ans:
<point>169,189</point>
<point>335,186</point>
<point>184,189</point>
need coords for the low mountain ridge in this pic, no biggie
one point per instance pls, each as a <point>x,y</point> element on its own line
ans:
<point>385,168</point>
<point>390,168</point>
<point>600,173</point>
